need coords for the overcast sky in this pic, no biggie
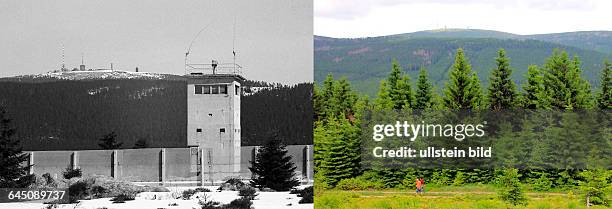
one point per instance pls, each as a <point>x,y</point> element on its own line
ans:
<point>273,37</point>
<point>366,18</point>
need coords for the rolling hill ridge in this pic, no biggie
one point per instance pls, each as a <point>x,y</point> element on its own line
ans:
<point>365,61</point>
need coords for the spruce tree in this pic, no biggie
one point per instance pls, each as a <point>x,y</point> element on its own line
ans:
<point>604,98</point>
<point>345,97</point>
<point>341,156</point>
<point>460,91</point>
<point>502,90</point>
<point>109,141</point>
<point>423,97</point>
<point>534,96</point>
<point>317,102</point>
<point>394,77</point>
<point>338,130</point>
<point>383,99</point>
<point>272,168</point>
<point>12,173</point>
<point>327,98</point>
<point>511,190</point>
<point>563,82</point>
<point>478,101</point>
<point>580,88</point>
<point>321,138</point>
<point>595,186</point>
<point>335,98</point>
<point>400,90</point>
<point>404,98</point>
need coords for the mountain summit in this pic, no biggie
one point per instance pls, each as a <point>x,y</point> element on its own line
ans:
<point>90,75</point>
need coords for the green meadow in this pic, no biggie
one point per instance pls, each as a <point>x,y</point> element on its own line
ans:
<point>467,196</point>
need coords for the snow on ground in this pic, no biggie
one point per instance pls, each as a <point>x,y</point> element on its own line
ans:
<point>265,200</point>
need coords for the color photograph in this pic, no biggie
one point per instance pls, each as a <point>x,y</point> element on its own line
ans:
<point>462,104</point>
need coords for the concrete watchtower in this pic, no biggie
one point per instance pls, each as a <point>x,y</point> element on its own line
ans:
<point>213,117</point>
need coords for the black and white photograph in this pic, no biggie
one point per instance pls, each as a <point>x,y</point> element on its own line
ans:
<point>156,104</point>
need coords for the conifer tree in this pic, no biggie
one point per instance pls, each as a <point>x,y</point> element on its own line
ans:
<point>383,99</point>
<point>595,185</point>
<point>460,91</point>
<point>404,98</point>
<point>336,135</point>
<point>317,102</point>
<point>394,77</point>
<point>321,138</point>
<point>533,96</point>
<point>345,96</point>
<point>400,90</point>
<point>478,100</point>
<point>604,98</point>
<point>511,190</point>
<point>423,97</point>
<point>362,105</point>
<point>502,90</point>
<point>272,167</point>
<point>336,97</point>
<point>340,158</point>
<point>563,82</point>
<point>327,98</point>
<point>109,141</point>
<point>12,173</point>
<point>579,88</point>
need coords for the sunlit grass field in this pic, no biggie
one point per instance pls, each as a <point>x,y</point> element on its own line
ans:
<point>468,196</point>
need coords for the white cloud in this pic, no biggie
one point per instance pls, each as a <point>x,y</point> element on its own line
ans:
<point>345,18</point>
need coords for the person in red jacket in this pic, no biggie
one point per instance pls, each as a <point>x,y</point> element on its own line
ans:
<point>418,186</point>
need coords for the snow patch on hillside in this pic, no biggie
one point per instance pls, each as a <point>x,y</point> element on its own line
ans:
<point>100,90</point>
<point>146,92</point>
<point>96,75</point>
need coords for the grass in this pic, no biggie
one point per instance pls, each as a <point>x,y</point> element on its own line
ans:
<point>467,196</point>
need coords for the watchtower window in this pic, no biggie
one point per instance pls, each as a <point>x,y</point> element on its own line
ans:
<point>222,130</point>
<point>199,130</point>
<point>237,88</point>
<point>210,89</point>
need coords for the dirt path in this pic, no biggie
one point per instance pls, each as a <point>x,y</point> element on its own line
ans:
<point>450,194</point>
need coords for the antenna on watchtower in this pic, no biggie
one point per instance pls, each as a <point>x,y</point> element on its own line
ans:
<point>214,64</point>
<point>234,43</point>
<point>192,41</point>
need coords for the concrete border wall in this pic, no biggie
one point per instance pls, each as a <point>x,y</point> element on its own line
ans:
<point>161,165</point>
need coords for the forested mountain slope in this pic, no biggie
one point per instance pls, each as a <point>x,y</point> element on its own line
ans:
<point>56,113</point>
<point>365,61</point>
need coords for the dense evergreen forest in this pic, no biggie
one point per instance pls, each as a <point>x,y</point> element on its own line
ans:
<point>364,61</point>
<point>556,85</point>
<point>52,114</point>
